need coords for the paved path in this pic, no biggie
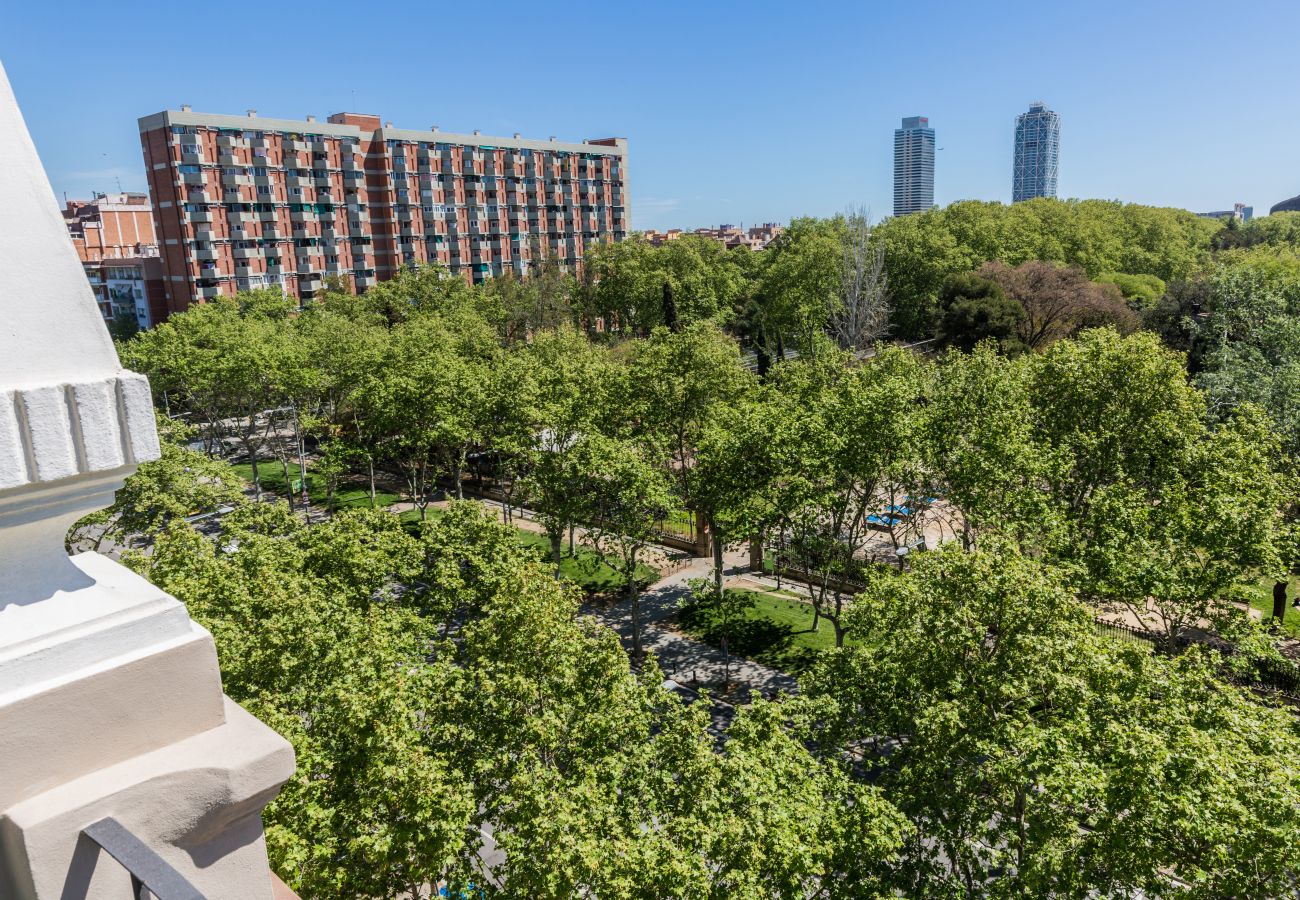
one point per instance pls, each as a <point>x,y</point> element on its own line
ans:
<point>686,660</point>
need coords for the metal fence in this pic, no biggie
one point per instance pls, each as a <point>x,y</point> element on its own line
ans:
<point>1271,676</point>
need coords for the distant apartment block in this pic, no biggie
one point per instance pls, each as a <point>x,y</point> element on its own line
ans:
<point>659,238</point>
<point>755,238</point>
<point>1037,156</point>
<point>913,166</point>
<point>244,202</point>
<point>114,238</point>
<point>1240,211</point>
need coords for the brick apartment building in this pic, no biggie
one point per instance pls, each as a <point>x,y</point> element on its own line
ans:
<point>114,238</point>
<point>244,202</point>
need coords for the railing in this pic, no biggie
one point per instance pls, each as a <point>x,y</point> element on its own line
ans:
<point>1272,676</point>
<point>151,875</point>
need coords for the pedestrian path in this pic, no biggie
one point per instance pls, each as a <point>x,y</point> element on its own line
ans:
<point>690,662</point>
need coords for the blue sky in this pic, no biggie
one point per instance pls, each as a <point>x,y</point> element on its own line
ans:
<point>734,112</point>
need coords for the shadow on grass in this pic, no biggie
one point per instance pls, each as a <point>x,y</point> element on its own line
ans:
<point>777,633</point>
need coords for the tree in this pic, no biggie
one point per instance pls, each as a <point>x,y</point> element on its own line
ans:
<point>627,494</point>
<point>180,483</point>
<point>1141,291</point>
<point>309,645</point>
<point>1034,757</point>
<point>576,383</point>
<point>123,326</point>
<point>802,283</point>
<point>1058,301</point>
<point>225,363</point>
<point>861,452</point>
<point>627,282</point>
<point>975,309</point>
<point>861,317</point>
<point>677,384</point>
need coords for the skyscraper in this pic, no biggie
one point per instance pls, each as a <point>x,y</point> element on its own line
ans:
<point>913,166</point>
<point>1038,147</point>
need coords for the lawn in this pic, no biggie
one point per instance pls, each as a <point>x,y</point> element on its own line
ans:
<point>351,494</point>
<point>1261,598</point>
<point>585,569</point>
<point>776,631</point>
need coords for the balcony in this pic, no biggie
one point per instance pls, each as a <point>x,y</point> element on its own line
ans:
<point>295,146</point>
<point>302,215</point>
<point>320,145</point>
<point>188,139</point>
<point>264,180</point>
<point>239,217</point>
<point>267,215</point>
<point>239,233</point>
<point>199,197</point>
<point>364,281</point>
<point>293,179</point>
<point>231,142</point>
<point>247,252</point>
<point>321,181</point>
<point>203,233</point>
<point>192,178</point>
<point>302,233</point>
<point>200,216</point>
<point>192,156</point>
<point>209,292</point>
<point>353,164</point>
<point>246,270</point>
<point>236,180</point>
<point>270,233</point>
<point>207,253</point>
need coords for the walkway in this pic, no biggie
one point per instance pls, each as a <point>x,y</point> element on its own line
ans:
<point>690,662</point>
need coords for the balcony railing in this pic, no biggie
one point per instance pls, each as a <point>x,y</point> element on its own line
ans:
<point>151,875</point>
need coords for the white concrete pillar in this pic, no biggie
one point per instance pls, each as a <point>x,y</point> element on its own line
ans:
<point>110,696</point>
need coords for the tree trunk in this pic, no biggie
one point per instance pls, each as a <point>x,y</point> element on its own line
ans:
<point>460,492</point>
<point>634,594</point>
<point>370,463</point>
<point>570,539</point>
<point>557,543</point>
<point>257,480</point>
<point>1279,600</point>
<point>717,561</point>
<point>288,486</point>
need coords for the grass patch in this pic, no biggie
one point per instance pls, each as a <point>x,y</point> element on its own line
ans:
<point>350,494</point>
<point>1260,596</point>
<point>775,631</point>
<point>585,568</point>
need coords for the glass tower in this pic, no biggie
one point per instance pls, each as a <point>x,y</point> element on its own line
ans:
<point>1038,147</point>
<point>913,166</point>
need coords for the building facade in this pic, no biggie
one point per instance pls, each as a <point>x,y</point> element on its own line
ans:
<point>243,202</point>
<point>1037,157</point>
<point>1240,211</point>
<point>913,166</point>
<point>114,237</point>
